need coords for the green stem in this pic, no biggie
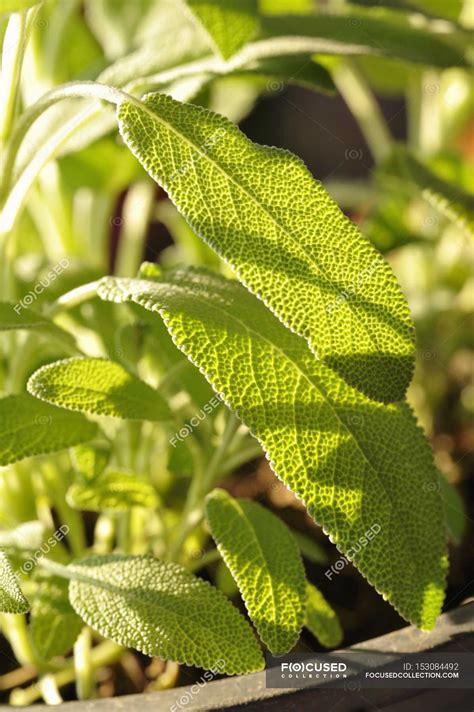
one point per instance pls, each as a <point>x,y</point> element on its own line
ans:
<point>83,665</point>
<point>364,107</point>
<point>202,482</point>
<point>49,690</point>
<point>12,59</point>
<point>136,215</point>
<point>16,632</point>
<point>208,558</point>
<point>104,654</point>
<point>56,491</point>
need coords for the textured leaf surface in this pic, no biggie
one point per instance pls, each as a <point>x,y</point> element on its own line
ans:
<point>112,490</point>
<point>265,562</point>
<point>358,465</point>
<point>98,386</point>
<point>288,242</point>
<point>160,608</point>
<point>12,599</point>
<point>229,23</point>
<point>54,626</point>
<point>321,620</point>
<point>29,427</point>
<point>29,319</point>
<point>359,33</point>
<point>90,460</point>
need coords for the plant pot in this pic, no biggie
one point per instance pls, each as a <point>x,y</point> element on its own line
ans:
<point>454,632</point>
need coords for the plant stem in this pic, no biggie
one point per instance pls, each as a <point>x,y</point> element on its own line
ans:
<point>208,558</point>
<point>49,690</point>
<point>106,653</point>
<point>12,59</point>
<point>136,214</point>
<point>16,632</point>
<point>74,297</point>
<point>201,484</point>
<point>83,665</point>
<point>364,107</point>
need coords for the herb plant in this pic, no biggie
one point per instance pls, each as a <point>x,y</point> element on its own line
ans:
<point>272,316</point>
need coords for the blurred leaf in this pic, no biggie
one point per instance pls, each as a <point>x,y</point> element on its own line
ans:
<point>54,626</point>
<point>15,316</point>
<point>301,70</point>
<point>321,620</point>
<point>26,536</point>
<point>90,460</point>
<point>364,34</point>
<point>455,510</point>
<point>230,24</point>
<point>112,490</point>
<point>30,427</point>
<point>310,549</point>
<point>115,23</point>
<point>98,386</point>
<point>447,198</point>
<point>15,5</point>
<point>280,7</point>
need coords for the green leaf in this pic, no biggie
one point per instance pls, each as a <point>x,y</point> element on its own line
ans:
<point>230,24</point>
<point>446,197</point>
<point>361,33</point>
<point>160,608</point>
<point>265,562</point>
<point>454,508</point>
<point>310,549</point>
<point>15,316</point>
<point>301,70</point>
<point>90,460</point>
<point>287,240</point>
<point>112,490</point>
<point>98,386</point>
<point>321,620</point>
<point>359,466</point>
<point>27,536</point>
<point>12,599</point>
<point>29,427</point>
<point>15,5</point>
<point>54,626</point>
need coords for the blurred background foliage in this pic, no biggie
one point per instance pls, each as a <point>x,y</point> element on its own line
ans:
<point>389,133</point>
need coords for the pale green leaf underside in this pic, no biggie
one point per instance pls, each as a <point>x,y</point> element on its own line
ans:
<point>321,619</point>
<point>30,427</point>
<point>160,608</point>
<point>354,462</point>
<point>25,318</point>
<point>98,386</point>
<point>112,490</point>
<point>229,23</point>
<point>54,626</point>
<point>12,599</point>
<point>27,536</point>
<point>286,239</point>
<point>265,562</point>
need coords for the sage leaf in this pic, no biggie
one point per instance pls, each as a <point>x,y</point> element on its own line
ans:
<point>98,386</point>
<point>160,608</point>
<point>321,619</point>
<point>29,427</point>
<point>54,625</point>
<point>90,460</point>
<point>264,560</point>
<point>12,599</point>
<point>286,239</point>
<point>330,444</point>
<point>112,490</point>
<point>13,319</point>
<point>230,24</point>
